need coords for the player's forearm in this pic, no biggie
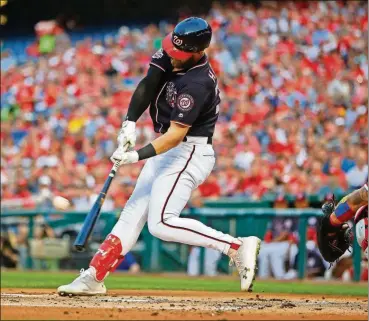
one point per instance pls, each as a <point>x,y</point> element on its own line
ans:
<point>358,198</point>
<point>143,94</point>
<point>158,146</point>
<point>166,142</point>
<point>347,207</point>
<point>139,102</point>
<point>173,137</point>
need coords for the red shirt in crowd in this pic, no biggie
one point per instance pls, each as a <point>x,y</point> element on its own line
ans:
<point>210,188</point>
<point>24,97</point>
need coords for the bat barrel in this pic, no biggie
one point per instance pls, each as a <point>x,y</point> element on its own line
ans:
<point>90,220</point>
<point>88,224</point>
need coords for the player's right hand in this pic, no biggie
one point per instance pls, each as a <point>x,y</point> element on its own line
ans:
<point>124,157</point>
<point>127,135</point>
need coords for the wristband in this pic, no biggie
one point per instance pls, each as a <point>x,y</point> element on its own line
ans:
<point>146,152</point>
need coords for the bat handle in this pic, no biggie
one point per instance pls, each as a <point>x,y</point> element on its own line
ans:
<point>114,169</point>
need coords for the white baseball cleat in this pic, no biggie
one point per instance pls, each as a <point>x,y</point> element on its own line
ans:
<point>246,261</point>
<point>84,284</point>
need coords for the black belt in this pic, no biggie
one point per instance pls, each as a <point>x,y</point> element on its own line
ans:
<point>210,140</point>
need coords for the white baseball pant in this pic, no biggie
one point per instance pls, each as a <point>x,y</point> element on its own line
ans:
<point>162,191</point>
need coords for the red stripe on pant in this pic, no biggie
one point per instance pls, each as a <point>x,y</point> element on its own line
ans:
<point>232,245</point>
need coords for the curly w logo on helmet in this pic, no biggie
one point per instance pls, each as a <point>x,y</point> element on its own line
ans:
<point>177,41</point>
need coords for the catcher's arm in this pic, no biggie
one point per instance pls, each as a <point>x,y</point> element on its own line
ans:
<point>332,240</point>
<point>349,205</point>
<point>334,235</point>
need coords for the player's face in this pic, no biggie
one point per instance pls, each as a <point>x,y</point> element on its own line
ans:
<point>183,64</point>
<point>188,63</point>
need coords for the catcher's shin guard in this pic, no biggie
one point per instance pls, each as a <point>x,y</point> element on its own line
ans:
<point>108,257</point>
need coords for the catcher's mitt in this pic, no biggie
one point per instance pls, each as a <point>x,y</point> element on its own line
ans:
<point>333,241</point>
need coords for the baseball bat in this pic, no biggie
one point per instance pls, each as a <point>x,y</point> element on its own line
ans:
<point>91,218</point>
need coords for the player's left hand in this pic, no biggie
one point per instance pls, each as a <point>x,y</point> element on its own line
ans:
<point>124,157</point>
<point>127,135</point>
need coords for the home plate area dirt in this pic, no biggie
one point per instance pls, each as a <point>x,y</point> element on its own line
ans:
<point>19,304</point>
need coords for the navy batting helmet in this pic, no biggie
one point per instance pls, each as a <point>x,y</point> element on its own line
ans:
<point>188,37</point>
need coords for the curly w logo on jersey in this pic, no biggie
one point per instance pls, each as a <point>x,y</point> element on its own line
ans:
<point>185,102</point>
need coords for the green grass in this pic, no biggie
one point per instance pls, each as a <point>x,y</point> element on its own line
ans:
<point>51,280</point>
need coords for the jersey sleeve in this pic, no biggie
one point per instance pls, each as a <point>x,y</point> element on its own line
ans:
<point>161,60</point>
<point>189,103</point>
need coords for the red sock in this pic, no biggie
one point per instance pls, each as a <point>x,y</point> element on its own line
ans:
<point>108,257</point>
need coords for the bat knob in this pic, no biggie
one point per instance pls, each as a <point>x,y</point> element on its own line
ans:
<point>79,248</point>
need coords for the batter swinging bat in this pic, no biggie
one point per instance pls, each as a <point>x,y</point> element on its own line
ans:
<point>90,220</point>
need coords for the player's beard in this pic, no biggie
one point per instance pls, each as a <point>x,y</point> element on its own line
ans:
<point>183,64</point>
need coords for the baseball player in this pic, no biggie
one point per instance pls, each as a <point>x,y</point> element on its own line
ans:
<point>334,234</point>
<point>181,89</point>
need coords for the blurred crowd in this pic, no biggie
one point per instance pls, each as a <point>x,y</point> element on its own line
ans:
<point>293,78</point>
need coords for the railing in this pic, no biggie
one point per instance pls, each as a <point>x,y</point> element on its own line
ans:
<point>236,221</point>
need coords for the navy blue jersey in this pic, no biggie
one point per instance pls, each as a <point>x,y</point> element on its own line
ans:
<point>279,225</point>
<point>189,97</point>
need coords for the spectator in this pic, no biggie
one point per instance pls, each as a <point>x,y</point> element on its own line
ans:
<point>210,188</point>
<point>43,231</point>
<point>22,245</point>
<point>45,192</point>
<point>332,187</point>
<point>301,201</point>
<point>8,254</point>
<point>281,201</point>
<point>316,266</point>
<point>357,176</point>
<point>275,248</point>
